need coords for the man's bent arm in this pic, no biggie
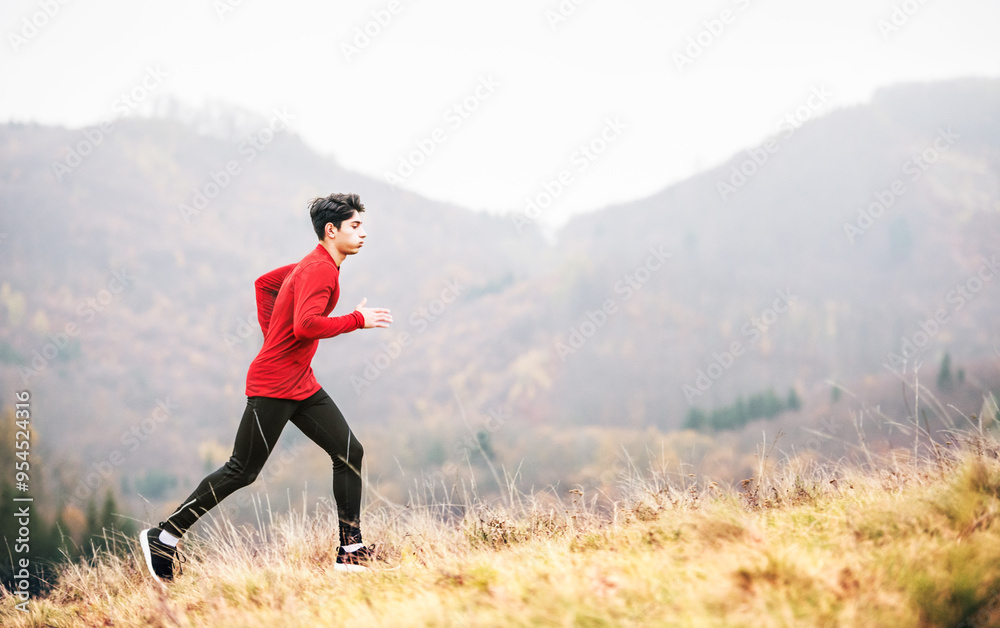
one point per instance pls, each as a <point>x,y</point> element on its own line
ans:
<point>267,287</point>
<point>308,321</point>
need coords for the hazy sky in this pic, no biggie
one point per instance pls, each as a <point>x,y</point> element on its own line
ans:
<point>532,81</point>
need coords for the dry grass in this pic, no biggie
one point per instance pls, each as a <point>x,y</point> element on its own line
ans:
<point>890,543</point>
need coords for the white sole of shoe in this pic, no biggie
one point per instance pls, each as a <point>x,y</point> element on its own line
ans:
<point>147,555</point>
<point>349,568</point>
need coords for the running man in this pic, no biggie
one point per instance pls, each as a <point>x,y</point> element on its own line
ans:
<point>293,307</point>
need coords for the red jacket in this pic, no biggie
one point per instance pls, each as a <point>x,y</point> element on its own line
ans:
<point>293,307</point>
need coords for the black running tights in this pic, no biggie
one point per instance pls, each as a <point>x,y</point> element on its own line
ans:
<point>319,418</point>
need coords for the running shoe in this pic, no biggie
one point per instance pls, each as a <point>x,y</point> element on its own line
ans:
<point>358,560</point>
<point>159,556</point>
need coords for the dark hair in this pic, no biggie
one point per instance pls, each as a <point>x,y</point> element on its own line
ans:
<point>335,208</point>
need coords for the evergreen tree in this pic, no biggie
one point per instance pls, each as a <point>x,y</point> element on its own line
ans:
<point>793,402</point>
<point>944,378</point>
<point>109,512</point>
<point>92,534</point>
<point>8,532</point>
<point>93,519</point>
<point>740,414</point>
<point>485,444</point>
<point>772,405</point>
<point>763,405</point>
<point>695,420</point>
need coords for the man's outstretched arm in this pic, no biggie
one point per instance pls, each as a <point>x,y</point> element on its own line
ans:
<point>267,287</point>
<point>373,316</point>
<point>312,293</point>
<point>311,296</point>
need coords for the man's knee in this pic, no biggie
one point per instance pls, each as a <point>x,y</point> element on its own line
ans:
<point>240,473</point>
<point>356,453</point>
<point>351,458</point>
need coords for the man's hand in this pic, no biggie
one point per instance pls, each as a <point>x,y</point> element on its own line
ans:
<point>374,316</point>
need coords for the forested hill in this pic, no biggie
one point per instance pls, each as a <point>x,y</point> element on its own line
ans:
<point>819,257</point>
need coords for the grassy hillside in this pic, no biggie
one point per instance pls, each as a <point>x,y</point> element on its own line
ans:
<point>895,542</point>
<point>552,361</point>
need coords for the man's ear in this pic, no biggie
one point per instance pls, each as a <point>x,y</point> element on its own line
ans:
<point>331,231</point>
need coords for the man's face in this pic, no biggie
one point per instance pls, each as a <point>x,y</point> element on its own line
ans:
<point>349,239</point>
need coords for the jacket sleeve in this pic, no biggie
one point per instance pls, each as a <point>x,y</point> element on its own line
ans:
<point>311,296</point>
<point>267,287</point>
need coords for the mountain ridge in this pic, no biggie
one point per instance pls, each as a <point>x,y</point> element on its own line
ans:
<point>184,327</point>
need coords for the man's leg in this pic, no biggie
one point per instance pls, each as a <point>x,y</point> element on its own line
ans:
<point>262,422</point>
<point>319,418</point>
